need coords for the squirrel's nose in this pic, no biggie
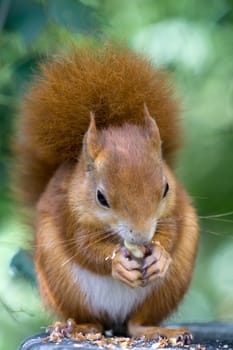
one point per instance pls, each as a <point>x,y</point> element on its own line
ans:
<point>143,237</point>
<point>139,238</point>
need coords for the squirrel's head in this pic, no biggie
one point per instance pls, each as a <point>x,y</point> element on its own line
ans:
<point>122,182</point>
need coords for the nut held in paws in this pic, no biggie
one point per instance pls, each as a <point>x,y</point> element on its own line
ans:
<point>137,251</point>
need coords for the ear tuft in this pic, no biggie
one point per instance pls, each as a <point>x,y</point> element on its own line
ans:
<point>91,140</point>
<point>151,127</point>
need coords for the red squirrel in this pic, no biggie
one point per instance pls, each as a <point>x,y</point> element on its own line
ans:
<point>97,137</point>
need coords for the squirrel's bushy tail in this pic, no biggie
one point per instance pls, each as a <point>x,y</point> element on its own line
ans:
<point>113,82</point>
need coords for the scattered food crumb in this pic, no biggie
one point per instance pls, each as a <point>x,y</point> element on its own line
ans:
<point>69,330</point>
<point>200,347</point>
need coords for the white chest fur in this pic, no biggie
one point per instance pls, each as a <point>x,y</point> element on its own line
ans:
<point>104,294</point>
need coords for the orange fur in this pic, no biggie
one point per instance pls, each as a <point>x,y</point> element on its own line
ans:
<point>63,164</point>
<point>112,82</point>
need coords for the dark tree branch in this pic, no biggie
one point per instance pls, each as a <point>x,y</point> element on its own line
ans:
<point>4,10</point>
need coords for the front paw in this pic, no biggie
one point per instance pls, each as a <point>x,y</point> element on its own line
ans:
<point>156,264</point>
<point>126,269</point>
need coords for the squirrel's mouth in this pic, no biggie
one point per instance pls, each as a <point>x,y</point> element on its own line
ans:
<point>133,236</point>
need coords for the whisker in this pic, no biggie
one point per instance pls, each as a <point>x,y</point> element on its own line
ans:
<point>216,219</point>
<point>229,235</point>
<point>70,241</point>
<point>218,215</point>
<point>105,235</point>
<point>87,247</point>
<point>69,259</point>
<point>110,234</point>
<point>222,234</point>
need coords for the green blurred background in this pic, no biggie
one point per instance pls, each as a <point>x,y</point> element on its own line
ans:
<point>193,40</point>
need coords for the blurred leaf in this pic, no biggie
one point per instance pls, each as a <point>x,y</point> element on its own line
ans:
<point>22,265</point>
<point>175,42</point>
<point>54,37</point>
<point>26,17</point>
<point>11,47</point>
<point>73,15</point>
<point>23,72</point>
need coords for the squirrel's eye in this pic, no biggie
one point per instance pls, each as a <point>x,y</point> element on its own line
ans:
<point>101,199</point>
<point>166,190</point>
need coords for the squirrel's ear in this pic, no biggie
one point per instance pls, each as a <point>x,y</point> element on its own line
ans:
<point>92,145</point>
<point>151,127</point>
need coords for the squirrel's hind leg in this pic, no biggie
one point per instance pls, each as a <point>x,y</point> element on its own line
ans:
<point>73,330</point>
<point>176,336</point>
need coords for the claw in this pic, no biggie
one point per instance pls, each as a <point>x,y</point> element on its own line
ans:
<point>181,339</point>
<point>148,251</point>
<point>187,338</point>
<point>126,252</point>
<point>161,339</point>
<point>67,331</point>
